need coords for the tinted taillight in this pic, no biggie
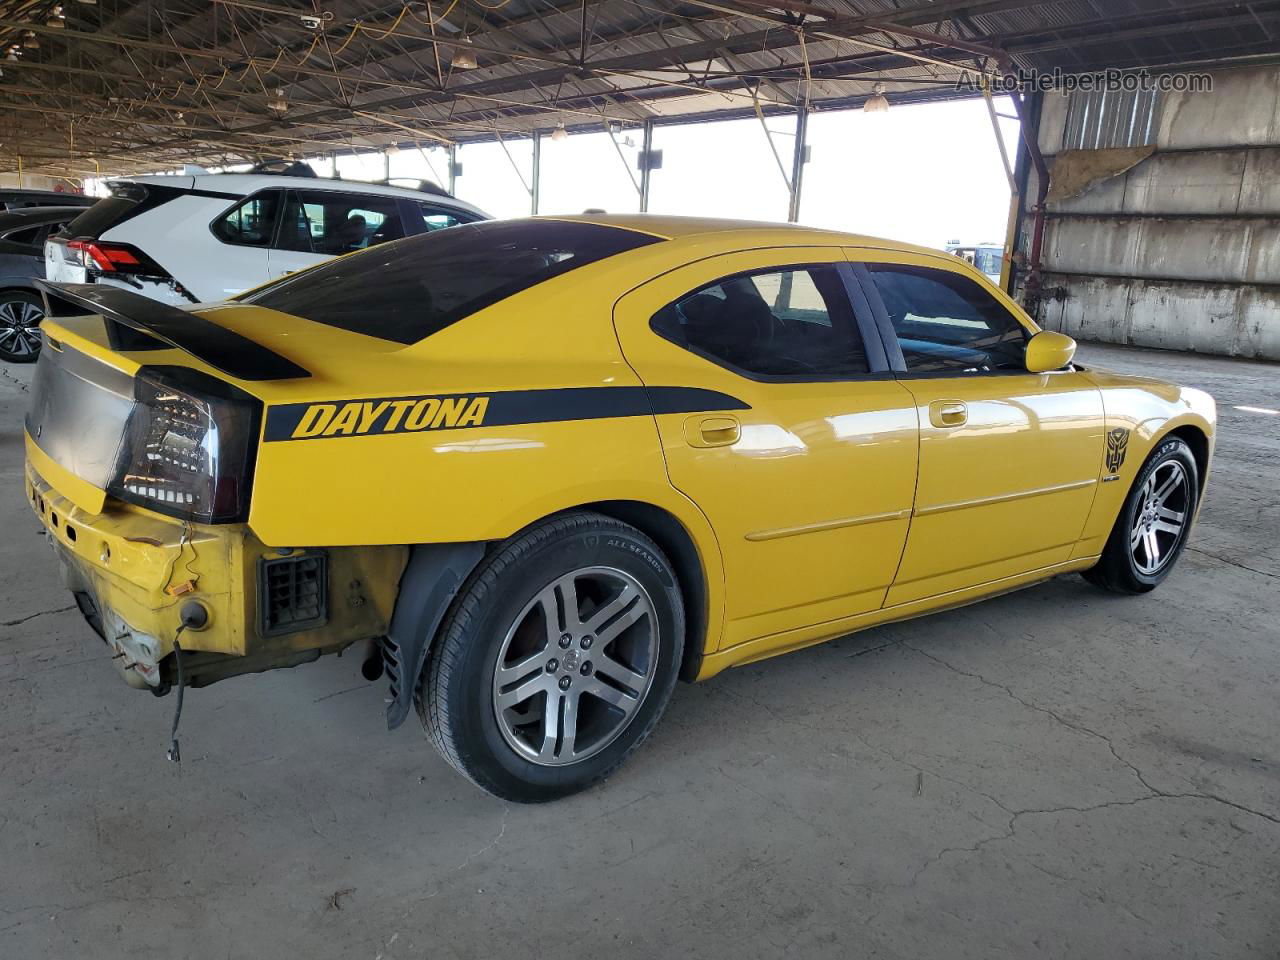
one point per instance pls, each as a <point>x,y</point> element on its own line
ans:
<point>189,446</point>
<point>114,258</point>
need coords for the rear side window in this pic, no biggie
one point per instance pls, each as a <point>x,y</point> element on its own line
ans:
<point>408,290</point>
<point>250,223</point>
<point>794,323</point>
<point>330,224</point>
<point>947,322</point>
<point>430,216</point>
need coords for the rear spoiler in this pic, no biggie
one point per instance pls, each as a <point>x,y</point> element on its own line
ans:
<point>223,349</point>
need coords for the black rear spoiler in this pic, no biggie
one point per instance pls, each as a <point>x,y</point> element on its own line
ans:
<point>223,349</point>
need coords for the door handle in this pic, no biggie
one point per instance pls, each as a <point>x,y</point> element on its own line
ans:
<point>948,413</point>
<point>712,431</point>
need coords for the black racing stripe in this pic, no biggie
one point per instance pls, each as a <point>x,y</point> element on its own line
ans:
<point>512,407</point>
<point>223,349</point>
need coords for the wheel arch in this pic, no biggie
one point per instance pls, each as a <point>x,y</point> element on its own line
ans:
<point>666,530</point>
<point>1198,441</point>
<point>437,573</point>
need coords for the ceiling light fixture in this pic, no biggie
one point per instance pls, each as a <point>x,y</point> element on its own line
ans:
<point>877,102</point>
<point>464,59</point>
<point>392,150</point>
<point>560,134</point>
<point>279,104</point>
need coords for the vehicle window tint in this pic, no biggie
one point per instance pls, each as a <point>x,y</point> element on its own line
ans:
<point>251,223</point>
<point>947,321</point>
<point>124,201</point>
<point>410,289</point>
<point>29,236</point>
<point>326,223</point>
<point>793,323</point>
<point>430,216</point>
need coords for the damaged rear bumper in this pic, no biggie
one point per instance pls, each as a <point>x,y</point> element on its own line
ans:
<point>132,573</point>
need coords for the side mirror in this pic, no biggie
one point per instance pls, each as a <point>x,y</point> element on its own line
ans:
<point>1049,351</point>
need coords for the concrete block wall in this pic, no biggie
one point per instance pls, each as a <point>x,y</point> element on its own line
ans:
<point>1181,251</point>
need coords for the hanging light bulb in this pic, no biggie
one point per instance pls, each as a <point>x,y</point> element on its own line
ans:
<point>279,104</point>
<point>560,134</point>
<point>30,40</point>
<point>464,59</point>
<point>877,102</point>
<point>12,55</point>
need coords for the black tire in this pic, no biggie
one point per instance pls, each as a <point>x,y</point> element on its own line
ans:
<point>461,686</point>
<point>21,312</point>
<point>1119,570</point>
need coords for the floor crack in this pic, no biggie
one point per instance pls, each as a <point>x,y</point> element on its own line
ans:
<point>1153,791</point>
<point>1233,563</point>
<point>14,623</point>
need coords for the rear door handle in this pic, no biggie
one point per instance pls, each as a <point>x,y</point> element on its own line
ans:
<point>718,431</point>
<point>948,413</point>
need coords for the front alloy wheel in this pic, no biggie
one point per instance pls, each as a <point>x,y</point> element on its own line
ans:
<point>556,659</point>
<point>1151,530</point>
<point>1160,520</point>
<point>20,315</point>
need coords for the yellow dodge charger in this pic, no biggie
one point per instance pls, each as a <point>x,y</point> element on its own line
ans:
<point>544,467</point>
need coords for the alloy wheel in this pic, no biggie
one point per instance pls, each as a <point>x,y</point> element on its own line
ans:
<point>1160,518</point>
<point>575,666</point>
<point>20,328</point>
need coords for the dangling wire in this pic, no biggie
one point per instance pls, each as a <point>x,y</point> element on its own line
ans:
<point>174,755</point>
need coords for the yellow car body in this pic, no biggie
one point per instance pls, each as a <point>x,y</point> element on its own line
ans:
<point>806,509</point>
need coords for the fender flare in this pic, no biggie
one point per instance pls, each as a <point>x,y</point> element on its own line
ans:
<point>432,578</point>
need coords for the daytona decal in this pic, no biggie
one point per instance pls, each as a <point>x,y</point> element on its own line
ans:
<point>358,418</point>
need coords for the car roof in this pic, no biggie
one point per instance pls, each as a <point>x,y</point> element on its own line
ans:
<point>66,199</point>
<point>37,215</point>
<point>43,214</point>
<point>679,228</point>
<point>244,184</point>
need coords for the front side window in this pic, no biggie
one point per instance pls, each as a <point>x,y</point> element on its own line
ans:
<point>792,323</point>
<point>946,321</point>
<point>406,291</point>
<point>251,223</point>
<point>330,224</point>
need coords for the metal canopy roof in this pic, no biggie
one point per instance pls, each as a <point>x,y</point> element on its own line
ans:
<point>131,85</point>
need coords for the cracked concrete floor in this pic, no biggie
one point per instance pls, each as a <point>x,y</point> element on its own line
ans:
<point>1055,773</point>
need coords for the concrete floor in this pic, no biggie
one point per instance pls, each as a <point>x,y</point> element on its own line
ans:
<point>1056,773</point>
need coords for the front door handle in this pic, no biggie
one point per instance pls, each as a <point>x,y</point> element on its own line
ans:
<point>718,431</point>
<point>948,413</point>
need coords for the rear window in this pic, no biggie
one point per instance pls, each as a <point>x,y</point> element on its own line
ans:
<point>108,211</point>
<point>407,290</point>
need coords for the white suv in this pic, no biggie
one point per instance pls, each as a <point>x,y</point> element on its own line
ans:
<point>192,239</point>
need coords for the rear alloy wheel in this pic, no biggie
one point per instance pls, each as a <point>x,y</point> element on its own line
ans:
<point>1152,528</point>
<point>565,684</point>
<point>556,659</point>
<point>20,316</point>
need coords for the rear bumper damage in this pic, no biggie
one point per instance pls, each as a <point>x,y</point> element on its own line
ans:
<point>136,575</point>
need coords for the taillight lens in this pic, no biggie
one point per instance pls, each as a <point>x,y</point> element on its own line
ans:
<point>114,258</point>
<point>188,447</point>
